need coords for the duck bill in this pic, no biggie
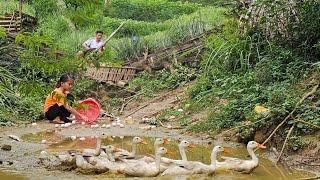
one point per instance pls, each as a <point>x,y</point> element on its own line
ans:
<point>169,153</point>
<point>143,142</point>
<point>192,146</point>
<point>261,146</point>
<point>227,151</point>
<point>165,141</point>
<point>109,138</point>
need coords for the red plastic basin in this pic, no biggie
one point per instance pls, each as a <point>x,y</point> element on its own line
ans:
<point>91,109</point>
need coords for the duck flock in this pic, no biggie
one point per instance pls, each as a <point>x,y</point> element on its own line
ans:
<point>120,161</point>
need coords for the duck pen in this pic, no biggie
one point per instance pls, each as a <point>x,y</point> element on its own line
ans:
<point>111,75</point>
<point>11,22</point>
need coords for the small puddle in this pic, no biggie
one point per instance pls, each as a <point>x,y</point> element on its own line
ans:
<point>51,136</point>
<point>77,144</point>
<point>6,175</point>
<point>266,170</point>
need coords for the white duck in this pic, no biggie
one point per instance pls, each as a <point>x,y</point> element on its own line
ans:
<point>103,163</point>
<point>97,151</point>
<point>160,141</point>
<point>92,152</point>
<point>181,167</point>
<point>67,158</point>
<point>130,155</point>
<point>241,165</point>
<point>143,169</point>
<point>182,145</point>
<point>157,143</point>
<point>82,163</point>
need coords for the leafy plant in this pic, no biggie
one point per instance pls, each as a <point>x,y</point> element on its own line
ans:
<point>150,10</point>
<point>251,69</point>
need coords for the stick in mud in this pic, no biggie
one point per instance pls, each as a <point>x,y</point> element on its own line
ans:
<point>282,161</point>
<point>284,144</point>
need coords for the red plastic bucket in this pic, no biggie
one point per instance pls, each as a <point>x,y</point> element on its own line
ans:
<point>91,109</point>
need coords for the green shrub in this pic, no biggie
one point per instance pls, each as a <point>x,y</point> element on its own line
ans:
<point>149,10</point>
<point>8,6</point>
<point>133,28</point>
<point>77,4</point>
<point>207,2</point>
<point>45,7</point>
<point>53,26</point>
<point>181,29</point>
<point>251,69</point>
<point>149,84</point>
<point>84,17</point>
<point>3,33</point>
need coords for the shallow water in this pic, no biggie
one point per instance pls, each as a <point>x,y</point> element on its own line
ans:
<point>6,175</point>
<point>51,136</point>
<point>266,170</point>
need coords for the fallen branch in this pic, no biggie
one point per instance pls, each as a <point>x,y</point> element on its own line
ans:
<point>160,122</point>
<point>283,163</point>
<point>108,115</point>
<point>124,104</point>
<point>127,90</point>
<point>293,111</point>
<point>284,144</point>
<point>310,124</point>
<point>138,109</point>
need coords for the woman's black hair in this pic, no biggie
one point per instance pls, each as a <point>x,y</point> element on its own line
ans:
<point>63,78</point>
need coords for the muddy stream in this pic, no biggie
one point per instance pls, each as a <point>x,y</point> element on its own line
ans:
<point>57,142</point>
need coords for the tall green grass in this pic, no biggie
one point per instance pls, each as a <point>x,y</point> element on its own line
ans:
<point>8,6</point>
<point>207,2</point>
<point>149,10</point>
<point>133,27</point>
<point>181,30</point>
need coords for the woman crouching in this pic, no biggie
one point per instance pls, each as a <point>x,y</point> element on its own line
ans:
<point>56,107</point>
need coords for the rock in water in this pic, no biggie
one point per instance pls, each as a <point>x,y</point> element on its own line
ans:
<point>6,147</point>
<point>73,137</point>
